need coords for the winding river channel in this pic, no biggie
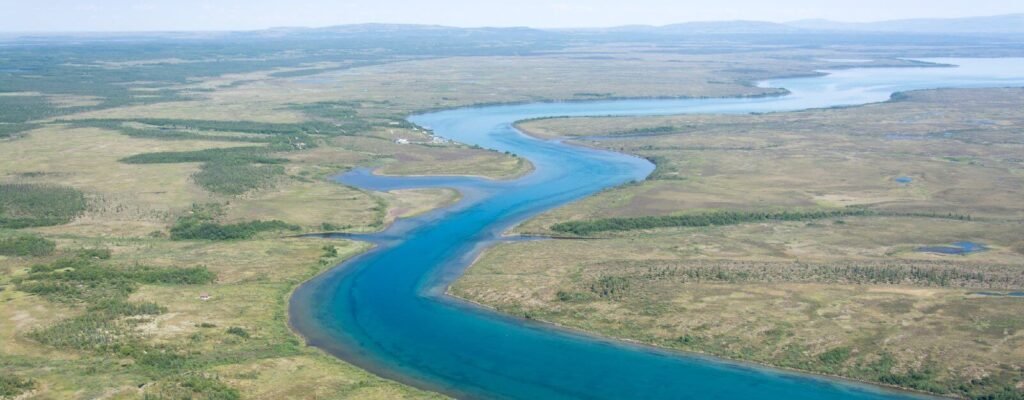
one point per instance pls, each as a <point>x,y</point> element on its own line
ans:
<point>387,310</point>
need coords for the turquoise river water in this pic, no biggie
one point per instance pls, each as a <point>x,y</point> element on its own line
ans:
<point>387,310</point>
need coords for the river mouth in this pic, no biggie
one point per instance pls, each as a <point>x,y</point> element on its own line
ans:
<point>387,311</point>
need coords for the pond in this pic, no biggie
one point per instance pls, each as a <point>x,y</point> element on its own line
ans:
<point>958,248</point>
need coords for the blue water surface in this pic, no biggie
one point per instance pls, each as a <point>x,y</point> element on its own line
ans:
<point>958,248</point>
<point>999,294</point>
<point>387,311</point>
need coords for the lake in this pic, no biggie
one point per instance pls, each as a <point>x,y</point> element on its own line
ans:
<point>387,311</point>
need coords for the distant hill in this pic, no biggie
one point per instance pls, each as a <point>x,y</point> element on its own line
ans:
<point>740,27</point>
<point>399,31</point>
<point>707,28</point>
<point>382,34</point>
<point>1012,23</point>
<point>1004,24</point>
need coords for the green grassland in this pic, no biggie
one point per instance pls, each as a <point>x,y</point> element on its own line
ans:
<point>123,203</point>
<point>783,239</point>
<point>97,294</point>
<point>135,179</point>
<point>114,222</point>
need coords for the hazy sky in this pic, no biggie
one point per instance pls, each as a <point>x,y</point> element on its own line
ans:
<point>149,15</point>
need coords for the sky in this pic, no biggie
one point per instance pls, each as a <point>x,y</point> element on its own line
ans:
<point>191,15</point>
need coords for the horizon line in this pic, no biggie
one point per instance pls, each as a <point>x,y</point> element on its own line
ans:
<point>551,28</point>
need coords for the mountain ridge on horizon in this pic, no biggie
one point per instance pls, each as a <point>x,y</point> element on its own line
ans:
<point>1002,23</point>
<point>994,24</point>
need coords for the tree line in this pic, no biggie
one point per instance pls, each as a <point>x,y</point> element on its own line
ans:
<point>230,171</point>
<point>894,272</point>
<point>715,218</point>
<point>26,245</point>
<point>721,218</point>
<point>25,205</point>
<point>201,224</point>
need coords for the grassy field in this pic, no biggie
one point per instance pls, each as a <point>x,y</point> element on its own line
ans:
<point>129,210</point>
<point>253,280</point>
<point>163,340</point>
<point>93,308</point>
<point>243,145</point>
<point>849,295</point>
<point>960,148</point>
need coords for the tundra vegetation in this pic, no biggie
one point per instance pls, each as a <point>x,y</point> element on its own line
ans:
<point>27,205</point>
<point>785,239</point>
<point>26,245</point>
<point>151,192</point>
<point>146,248</point>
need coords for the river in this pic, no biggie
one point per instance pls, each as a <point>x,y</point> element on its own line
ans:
<point>387,311</point>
